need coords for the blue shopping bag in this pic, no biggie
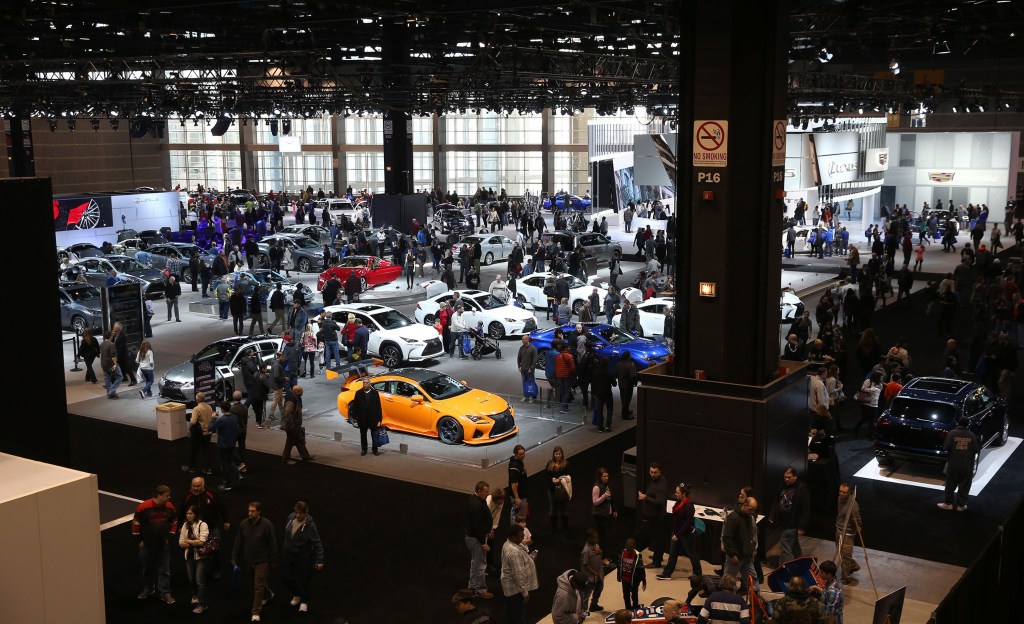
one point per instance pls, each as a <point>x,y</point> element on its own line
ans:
<point>530,389</point>
<point>467,345</point>
<point>382,437</point>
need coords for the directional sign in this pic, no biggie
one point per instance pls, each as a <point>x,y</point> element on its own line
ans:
<point>711,143</point>
<point>779,143</point>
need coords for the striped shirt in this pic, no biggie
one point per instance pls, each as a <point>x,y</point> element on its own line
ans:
<point>724,606</point>
<point>832,600</point>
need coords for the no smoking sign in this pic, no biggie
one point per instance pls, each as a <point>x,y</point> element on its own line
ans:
<point>711,143</point>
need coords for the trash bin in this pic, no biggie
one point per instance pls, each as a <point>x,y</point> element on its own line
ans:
<point>170,421</point>
<point>629,478</point>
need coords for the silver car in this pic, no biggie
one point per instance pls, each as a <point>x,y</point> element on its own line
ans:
<point>594,244</point>
<point>158,255</point>
<point>318,233</point>
<point>227,355</point>
<point>97,271</point>
<point>492,246</point>
<point>307,254</point>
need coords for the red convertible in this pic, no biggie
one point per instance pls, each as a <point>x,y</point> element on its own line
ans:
<point>372,271</point>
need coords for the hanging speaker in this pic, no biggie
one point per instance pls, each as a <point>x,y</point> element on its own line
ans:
<point>273,127</point>
<point>286,126</point>
<point>139,128</point>
<point>221,126</point>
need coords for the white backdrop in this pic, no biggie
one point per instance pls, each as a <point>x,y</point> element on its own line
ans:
<point>141,211</point>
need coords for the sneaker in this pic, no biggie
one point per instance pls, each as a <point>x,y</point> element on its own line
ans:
<point>195,599</point>
<point>961,507</point>
<point>146,593</point>
<point>199,610</point>
<point>169,599</point>
<point>295,600</point>
<point>662,577</point>
<point>256,617</point>
<point>483,593</point>
<point>945,506</point>
<point>586,614</point>
<point>142,394</point>
<point>303,607</point>
<point>596,607</point>
<point>241,467</point>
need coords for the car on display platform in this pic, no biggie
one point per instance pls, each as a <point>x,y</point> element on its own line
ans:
<point>447,218</point>
<point>803,233</point>
<point>316,233</point>
<point>307,254</point>
<point>80,307</point>
<point>941,218</point>
<point>594,244</point>
<point>499,321</point>
<point>371,270</point>
<point>492,246</point>
<point>160,254</point>
<point>338,207</point>
<point>227,355</point>
<point>915,425</point>
<point>790,306</point>
<point>608,341</point>
<point>394,337</point>
<point>430,403</point>
<point>267,280</point>
<point>239,197</point>
<point>79,251</point>
<point>567,201</point>
<point>97,271</point>
<point>531,290</point>
<point>652,315</point>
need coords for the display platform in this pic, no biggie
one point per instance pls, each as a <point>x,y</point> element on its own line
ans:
<point>116,509</point>
<point>930,475</point>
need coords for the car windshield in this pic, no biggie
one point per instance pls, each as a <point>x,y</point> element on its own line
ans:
<point>80,295</point>
<point>470,240</point>
<point>127,264</point>
<point>352,262</point>
<point>615,336</point>
<point>484,301</point>
<point>219,354</point>
<point>88,252</point>
<point>927,411</point>
<point>443,387</point>
<point>391,319</point>
<point>306,243</point>
<point>575,282</point>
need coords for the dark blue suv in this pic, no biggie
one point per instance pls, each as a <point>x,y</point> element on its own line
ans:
<point>915,425</point>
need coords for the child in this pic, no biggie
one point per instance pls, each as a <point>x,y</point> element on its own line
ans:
<point>631,574</point>
<point>919,255</point>
<point>527,536</point>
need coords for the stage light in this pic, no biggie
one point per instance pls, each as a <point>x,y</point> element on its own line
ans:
<point>114,123</point>
<point>71,124</point>
<point>825,55</point>
<point>95,123</point>
<point>941,47</point>
<point>894,66</point>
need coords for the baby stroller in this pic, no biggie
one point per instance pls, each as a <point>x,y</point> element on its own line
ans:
<point>484,344</point>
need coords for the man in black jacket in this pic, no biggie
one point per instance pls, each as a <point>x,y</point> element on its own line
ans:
<point>601,385</point>
<point>791,513</point>
<point>171,293</point>
<point>193,267</point>
<point>277,306</point>
<point>655,513</point>
<point>125,363</point>
<point>625,371</point>
<point>368,414</point>
<point>256,544</point>
<point>739,540</point>
<point>962,446</point>
<point>478,530</point>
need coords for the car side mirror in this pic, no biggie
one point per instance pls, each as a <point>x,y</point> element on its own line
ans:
<point>417,398</point>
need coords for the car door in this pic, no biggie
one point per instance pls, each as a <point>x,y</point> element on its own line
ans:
<point>472,312</point>
<point>373,345</point>
<point>388,407</point>
<point>95,273</point>
<point>989,421</point>
<point>652,318</point>
<point>533,289</point>
<point>414,416</point>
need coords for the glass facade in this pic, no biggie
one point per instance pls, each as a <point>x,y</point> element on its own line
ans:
<point>513,171</point>
<point>283,171</point>
<point>220,169</point>
<point>365,170</point>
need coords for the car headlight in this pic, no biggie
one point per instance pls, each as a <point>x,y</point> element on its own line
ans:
<point>476,419</point>
<point>412,340</point>
<point>511,320</point>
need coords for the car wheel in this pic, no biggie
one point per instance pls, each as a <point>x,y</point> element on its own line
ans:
<point>428,319</point>
<point>577,306</point>
<point>391,355</point>
<point>362,284</point>
<point>488,259</point>
<point>449,431</point>
<point>186,275</point>
<point>79,325</point>
<point>496,330</point>
<point>303,265</point>
<point>1004,433</point>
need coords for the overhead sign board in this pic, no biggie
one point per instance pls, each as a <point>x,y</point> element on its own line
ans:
<point>836,156</point>
<point>876,159</point>
<point>779,143</point>
<point>711,143</point>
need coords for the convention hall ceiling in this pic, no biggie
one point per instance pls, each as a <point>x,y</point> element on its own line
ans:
<point>96,58</point>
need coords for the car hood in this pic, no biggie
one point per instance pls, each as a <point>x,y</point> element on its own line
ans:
<point>181,373</point>
<point>647,349</point>
<point>415,331</point>
<point>476,403</point>
<point>513,312</point>
<point>149,275</point>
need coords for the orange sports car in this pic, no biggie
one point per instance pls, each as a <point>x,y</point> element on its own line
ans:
<point>426,402</point>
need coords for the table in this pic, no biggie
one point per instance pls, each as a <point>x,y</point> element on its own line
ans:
<point>709,545</point>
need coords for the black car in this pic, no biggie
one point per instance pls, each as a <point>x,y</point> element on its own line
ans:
<point>80,307</point>
<point>97,271</point>
<point>451,219</point>
<point>916,423</point>
<point>942,217</point>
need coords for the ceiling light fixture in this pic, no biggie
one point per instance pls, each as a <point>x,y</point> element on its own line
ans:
<point>825,55</point>
<point>894,66</point>
<point>941,47</point>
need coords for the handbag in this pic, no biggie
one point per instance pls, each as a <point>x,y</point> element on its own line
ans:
<point>863,396</point>
<point>698,526</point>
<point>211,547</point>
<point>382,437</point>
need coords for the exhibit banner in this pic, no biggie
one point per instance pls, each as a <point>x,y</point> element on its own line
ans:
<point>961,177</point>
<point>836,156</point>
<point>876,159</point>
<point>82,213</point>
<point>654,159</point>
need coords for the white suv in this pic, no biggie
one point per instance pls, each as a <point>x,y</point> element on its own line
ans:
<point>394,337</point>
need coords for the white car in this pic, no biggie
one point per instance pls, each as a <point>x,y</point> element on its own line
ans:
<point>531,289</point>
<point>790,305</point>
<point>803,233</point>
<point>492,246</point>
<point>499,321</point>
<point>652,315</point>
<point>338,206</point>
<point>394,337</point>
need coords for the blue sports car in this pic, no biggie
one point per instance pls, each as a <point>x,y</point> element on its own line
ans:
<point>565,201</point>
<point>610,342</point>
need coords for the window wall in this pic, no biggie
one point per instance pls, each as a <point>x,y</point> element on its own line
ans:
<point>493,129</point>
<point>196,132</point>
<point>313,131</point>
<point>284,171</point>
<point>513,171</point>
<point>365,170</point>
<point>220,169</point>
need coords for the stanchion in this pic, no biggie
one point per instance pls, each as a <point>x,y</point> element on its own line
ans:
<point>74,350</point>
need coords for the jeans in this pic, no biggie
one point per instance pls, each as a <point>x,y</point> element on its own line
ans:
<point>594,595</point>
<point>112,379</point>
<point>740,570</point>
<point>257,318</point>
<point>657,533</point>
<point>172,303</point>
<point>564,390</point>
<point>477,564</point>
<point>156,568</point>
<point>845,545</point>
<point>685,544</point>
<point>198,569</point>
<point>298,572</point>
<point>278,319</point>
<point>222,309</point>
<point>147,375</point>
<point>238,324</point>
<point>228,475</point>
<point>789,546</point>
<point>626,396</point>
<point>959,482</point>
<point>605,404</point>
<point>332,353</point>
<point>630,595</point>
<point>199,442</point>
<point>363,429</point>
